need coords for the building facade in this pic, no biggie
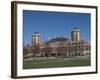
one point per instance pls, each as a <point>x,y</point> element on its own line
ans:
<point>75,35</point>
<point>58,47</point>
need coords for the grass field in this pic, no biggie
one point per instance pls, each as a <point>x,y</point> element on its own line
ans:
<point>55,62</point>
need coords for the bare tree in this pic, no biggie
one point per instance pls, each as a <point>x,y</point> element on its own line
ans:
<point>47,50</point>
<point>25,52</point>
<point>36,50</point>
<point>61,51</point>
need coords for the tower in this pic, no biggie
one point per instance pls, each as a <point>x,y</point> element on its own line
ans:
<point>75,34</point>
<point>36,39</point>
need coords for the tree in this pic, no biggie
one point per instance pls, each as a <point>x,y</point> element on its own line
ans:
<point>36,50</point>
<point>25,52</point>
<point>61,51</point>
<point>47,50</point>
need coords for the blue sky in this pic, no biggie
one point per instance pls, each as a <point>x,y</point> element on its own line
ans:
<point>52,24</point>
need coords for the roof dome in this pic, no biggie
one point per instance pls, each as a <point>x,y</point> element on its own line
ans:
<point>58,39</point>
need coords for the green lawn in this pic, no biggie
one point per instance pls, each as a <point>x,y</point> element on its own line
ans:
<point>55,62</point>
